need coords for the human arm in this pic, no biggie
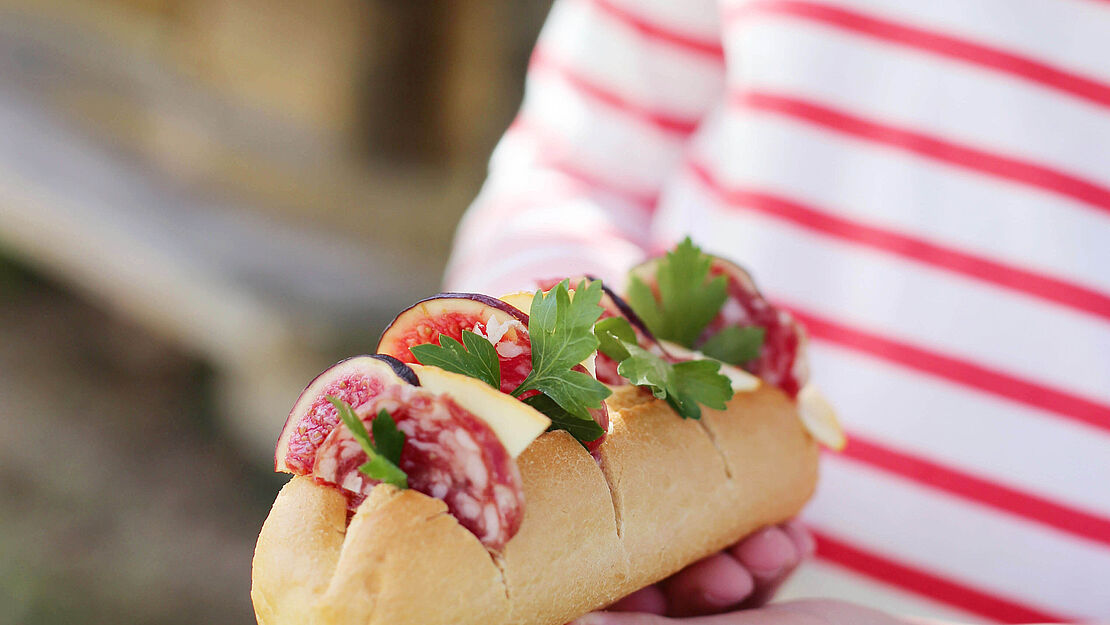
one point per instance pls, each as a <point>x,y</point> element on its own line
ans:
<point>614,90</point>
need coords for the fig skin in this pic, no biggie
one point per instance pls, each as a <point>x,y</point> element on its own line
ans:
<point>450,314</point>
<point>395,327</point>
<point>627,312</point>
<point>384,369</point>
<point>402,370</point>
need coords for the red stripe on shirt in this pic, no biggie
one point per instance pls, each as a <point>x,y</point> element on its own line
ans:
<point>1024,281</point>
<point>553,153</point>
<point>662,34</point>
<point>664,122</point>
<point>962,372</point>
<point>983,491</point>
<point>936,148</point>
<point>933,42</point>
<point>928,584</point>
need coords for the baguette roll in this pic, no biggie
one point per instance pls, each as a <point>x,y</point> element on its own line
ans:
<point>407,560</point>
<point>297,551</point>
<point>568,536</point>
<point>667,492</point>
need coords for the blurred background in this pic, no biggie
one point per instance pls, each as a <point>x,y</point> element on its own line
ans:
<point>202,204</point>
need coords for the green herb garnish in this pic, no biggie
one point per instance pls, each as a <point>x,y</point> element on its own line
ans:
<point>735,345</point>
<point>560,328</point>
<point>686,386</point>
<point>688,298</point>
<point>385,456</point>
<point>562,336</point>
<point>585,430</point>
<point>475,357</point>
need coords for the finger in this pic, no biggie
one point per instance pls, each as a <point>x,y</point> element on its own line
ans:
<point>769,555</point>
<point>745,617</point>
<point>648,600</point>
<point>622,618</point>
<point>708,586</point>
<point>802,537</point>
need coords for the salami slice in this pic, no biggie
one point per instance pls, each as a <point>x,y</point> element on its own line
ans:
<point>449,454</point>
<point>781,360</point>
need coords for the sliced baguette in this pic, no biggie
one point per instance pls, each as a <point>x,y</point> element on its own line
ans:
<point>668,492</point>
<point>297,551</point>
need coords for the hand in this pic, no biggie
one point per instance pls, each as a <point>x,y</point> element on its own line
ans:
<point>808,612</point>
<point>745,575</point>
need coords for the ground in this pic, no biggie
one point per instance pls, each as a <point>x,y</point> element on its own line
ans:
<point>122,501</point>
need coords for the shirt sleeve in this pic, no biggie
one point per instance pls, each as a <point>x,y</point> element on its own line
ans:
<point>614,90</point>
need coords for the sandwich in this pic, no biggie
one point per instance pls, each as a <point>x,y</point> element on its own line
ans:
<point>527,459</point>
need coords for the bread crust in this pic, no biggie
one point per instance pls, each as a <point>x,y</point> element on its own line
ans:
<point>568,535</point>
<point>667,493</point>
<point>297,551</point>
<point>407,560</point>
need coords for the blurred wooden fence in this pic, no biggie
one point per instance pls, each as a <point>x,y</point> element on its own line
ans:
<point>263,181</point>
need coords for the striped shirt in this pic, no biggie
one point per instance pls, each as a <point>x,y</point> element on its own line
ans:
<point>927,186</point>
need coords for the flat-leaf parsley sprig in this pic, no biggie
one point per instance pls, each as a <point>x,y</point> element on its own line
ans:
<point>560,329</point>
<point>686,386</point>
<point>688,300</point>
<point>475,356</point>
<point>384,452</point>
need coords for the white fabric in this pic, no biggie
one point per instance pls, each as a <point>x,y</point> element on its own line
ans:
<point>977,128</point>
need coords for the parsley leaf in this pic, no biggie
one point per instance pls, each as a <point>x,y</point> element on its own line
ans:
<point>688,298</point>
<point>477,359</point>
<point>384,458</point>
<point>611,332</point>
<point>686,386</point>
<point>585,430</point>
<point>734,344</point>
<point>697,382</point>
<point>643,368</point>
<point>561,331</point>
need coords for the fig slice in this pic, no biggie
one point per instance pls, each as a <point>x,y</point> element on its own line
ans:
<point>515,423</point>
<point>354,380</point>
<point>505,326</point>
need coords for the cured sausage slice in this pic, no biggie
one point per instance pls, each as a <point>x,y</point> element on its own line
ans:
<point>781,360</point>
<point>449,454</point>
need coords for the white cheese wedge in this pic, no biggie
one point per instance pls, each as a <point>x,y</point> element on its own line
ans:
<point>820,419</point>
<point>515,423</point>
<point>521,300</point>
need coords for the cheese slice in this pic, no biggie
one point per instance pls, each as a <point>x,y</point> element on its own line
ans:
<point>820,419</point>
<point>515,423</point>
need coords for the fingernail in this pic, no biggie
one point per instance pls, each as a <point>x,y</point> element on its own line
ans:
<point>768,552</point>
<point>802,536</point>
<point>720,601</point>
